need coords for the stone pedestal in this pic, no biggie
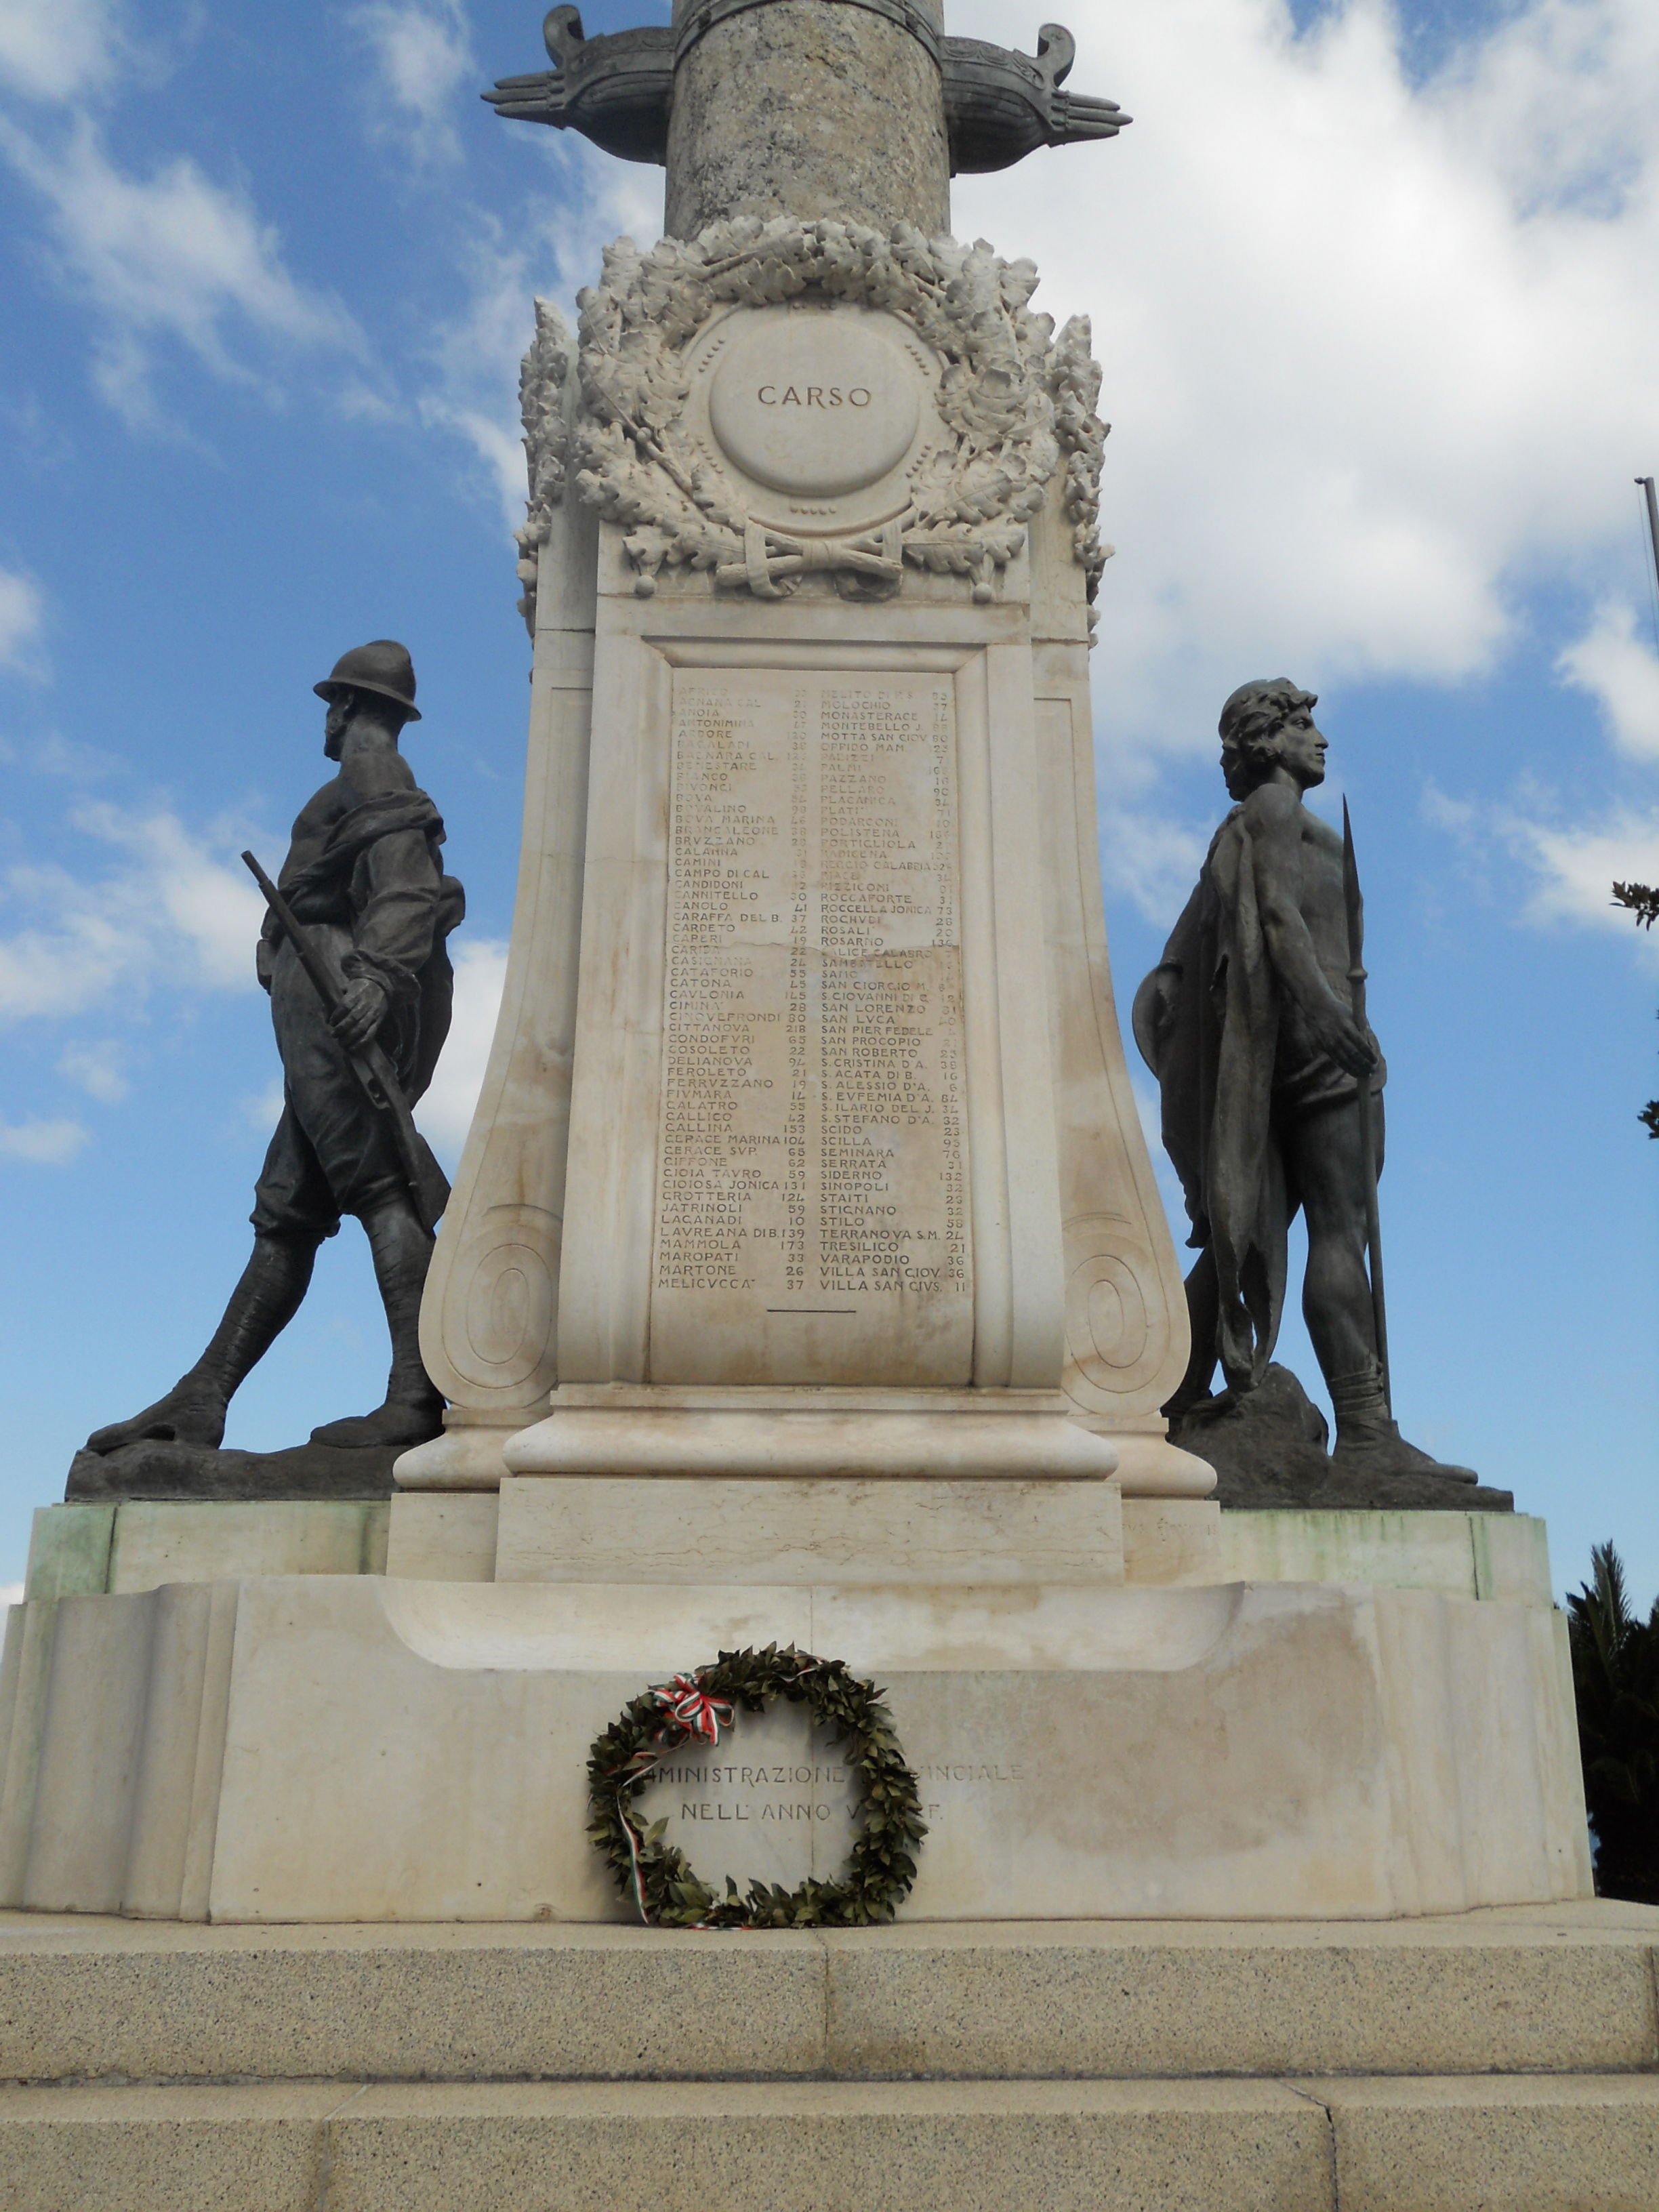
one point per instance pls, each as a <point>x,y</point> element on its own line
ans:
<point>807,1146</point>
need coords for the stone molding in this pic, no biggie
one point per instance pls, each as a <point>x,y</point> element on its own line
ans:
<point>704,14</point>
<point>543,376</point>
<point>1010,401</point>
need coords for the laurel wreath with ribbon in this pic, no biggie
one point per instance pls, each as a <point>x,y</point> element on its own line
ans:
<point>694,1708</point>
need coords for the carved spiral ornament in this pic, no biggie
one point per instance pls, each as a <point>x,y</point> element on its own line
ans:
<point>1117,1332</point>
<point>499,1301</point>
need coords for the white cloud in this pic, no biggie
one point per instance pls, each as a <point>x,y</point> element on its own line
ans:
<point>46,1144</point>
<point>262,1109</point>
<point>57,50</point>
<point>475,391</point>
<point>1577,868</point>
<point>1377,351</point>
<point>175,909</point>
<point>423,55</point>
<point>22,613</point>
<point>1150,860</point>
<point>446,1113</point>
<point>1619,668</point>
<point>99,1070</point>
<point>11,1593</point>
<point>172,255</point>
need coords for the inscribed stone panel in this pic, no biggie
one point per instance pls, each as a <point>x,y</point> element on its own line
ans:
<point>811,1203</point>
<point>772,1801</point>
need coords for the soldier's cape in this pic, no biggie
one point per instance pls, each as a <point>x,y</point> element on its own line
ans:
<point>1207,1020</point>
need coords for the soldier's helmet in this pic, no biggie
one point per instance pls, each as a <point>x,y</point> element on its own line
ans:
<point>383,666</point>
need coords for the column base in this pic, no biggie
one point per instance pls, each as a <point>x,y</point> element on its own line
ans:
<point>643,1429</point>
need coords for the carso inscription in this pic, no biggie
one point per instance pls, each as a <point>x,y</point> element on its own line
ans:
<point>819,405</point>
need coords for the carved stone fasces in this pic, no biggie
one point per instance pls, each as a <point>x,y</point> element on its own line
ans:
<point>1075,381</point>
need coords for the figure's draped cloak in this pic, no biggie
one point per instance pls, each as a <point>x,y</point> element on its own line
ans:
<point>1208,1028</point>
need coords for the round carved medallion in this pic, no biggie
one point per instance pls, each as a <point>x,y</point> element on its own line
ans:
<point>814,404</point>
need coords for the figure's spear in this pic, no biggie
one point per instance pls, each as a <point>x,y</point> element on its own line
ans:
<point>1351,900</point>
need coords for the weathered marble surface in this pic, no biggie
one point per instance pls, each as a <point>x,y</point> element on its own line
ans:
<point>809,1531</point>
<point>812,1221</point>
<point>804,110</point>
<point>336,1747</point>
<point>489,1336</point>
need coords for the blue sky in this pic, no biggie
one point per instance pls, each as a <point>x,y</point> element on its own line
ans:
<point>1374,294</point>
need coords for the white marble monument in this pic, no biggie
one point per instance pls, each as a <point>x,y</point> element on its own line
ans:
<point>807,1146</point>
<point>806,1277</point>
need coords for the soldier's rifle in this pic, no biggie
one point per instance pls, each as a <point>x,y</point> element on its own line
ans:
<point>427,1184</point>
<point>1356,913</point>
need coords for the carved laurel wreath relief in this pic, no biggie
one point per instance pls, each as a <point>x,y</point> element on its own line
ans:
<point>1008,403</point>
<point>543,376</point>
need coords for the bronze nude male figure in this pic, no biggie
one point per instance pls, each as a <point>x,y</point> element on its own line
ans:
<point>1248,1023</point>
<point>362,877</point>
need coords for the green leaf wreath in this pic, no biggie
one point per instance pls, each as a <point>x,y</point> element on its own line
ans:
<point>695,1707</point>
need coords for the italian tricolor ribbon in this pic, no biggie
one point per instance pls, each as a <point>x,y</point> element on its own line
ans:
<point>691,1709</point>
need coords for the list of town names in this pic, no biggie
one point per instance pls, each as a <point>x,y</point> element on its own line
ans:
<point>811,1208</point>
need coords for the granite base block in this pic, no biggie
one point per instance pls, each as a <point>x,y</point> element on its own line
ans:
<point>1586,2143</point>
<point>1531,1989</point>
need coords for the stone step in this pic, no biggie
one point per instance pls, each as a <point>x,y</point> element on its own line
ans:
<point>1535,1989</point>
<point>1529,2143</point>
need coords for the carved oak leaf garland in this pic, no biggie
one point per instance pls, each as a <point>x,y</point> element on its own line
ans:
<point>973,496</point>
<point>1074,377</point>
<point>542,378</point>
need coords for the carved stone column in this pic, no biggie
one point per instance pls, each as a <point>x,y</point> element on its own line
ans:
<point>797,107</point>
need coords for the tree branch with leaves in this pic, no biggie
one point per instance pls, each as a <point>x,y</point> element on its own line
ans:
<point>1644,904</point>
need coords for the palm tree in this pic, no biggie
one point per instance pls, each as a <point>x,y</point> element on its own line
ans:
<point>1615,1673</point>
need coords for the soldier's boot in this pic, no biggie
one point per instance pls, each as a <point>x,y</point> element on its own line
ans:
<point>1368,1439</point>
<point>264,1302</point>
<point>413,1411</point>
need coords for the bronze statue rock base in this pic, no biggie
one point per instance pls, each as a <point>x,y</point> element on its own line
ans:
<point>152,1469</point>
<point>1268,1452</point>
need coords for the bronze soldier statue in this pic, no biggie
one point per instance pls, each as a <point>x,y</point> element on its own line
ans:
<point>363,881</point>
<point>1266,1075</point>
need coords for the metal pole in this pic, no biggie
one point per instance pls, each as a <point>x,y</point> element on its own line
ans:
<point>1646,484</point>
